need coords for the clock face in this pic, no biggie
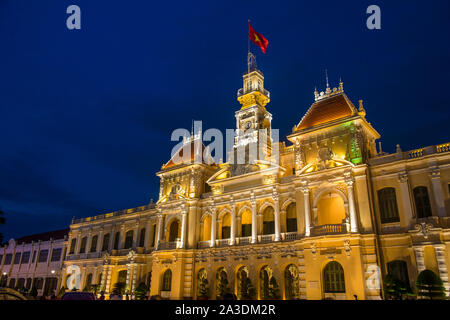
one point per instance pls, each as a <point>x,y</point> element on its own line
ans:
<point>248,125</point>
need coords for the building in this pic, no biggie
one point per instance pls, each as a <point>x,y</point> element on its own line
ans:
<point>34,261</point>
<point>325,222</point>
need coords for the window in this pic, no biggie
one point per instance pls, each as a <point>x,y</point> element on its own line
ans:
<point>12,283</point>
<point>388,205</point>
<point>399,270</point>
<point>83,245</point>
<point>291,218</point>
<point>8,259</point>
<point>142,238</point>
<point>43,256</point>
<point>38,283</point>
<point>422,202</point>
<point>154,235</point>
<point>167,280</point>
<point>28,284</point>
<point>94,243</point>
<point>333,276</point>
<point>246,223</point>
<point>73,243</point>
<point>34,256</point>
<point>105,245</point>
<point>17,257</point>
<point>173,231</point>
<point>1,258</point>
<point>21,283</point>
<point>116,241</point>
<point>128,239</point>
<point>88,281</point>
<point>56,254</point>
<point>26,257</point>
<point>268,222</point>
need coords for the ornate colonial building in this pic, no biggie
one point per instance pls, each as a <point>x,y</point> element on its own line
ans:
<point>327,220</point>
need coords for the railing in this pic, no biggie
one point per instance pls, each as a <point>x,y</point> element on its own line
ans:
<point>328,229</point>
<point>244,240</point>
<point>165,294</point>
<point>267,238</point>
<point>222,242</point>
<point>168,245</point>
<point>415,153</point>
<point>291,236</point>
<point>242,92</point>
<point>204,244</point>
<point>445,147</point>
<point>115,213</point>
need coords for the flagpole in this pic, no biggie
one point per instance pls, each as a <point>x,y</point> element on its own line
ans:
<point>248,47</point>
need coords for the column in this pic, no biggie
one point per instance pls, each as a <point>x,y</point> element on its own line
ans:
<point>277,216</point>
<point>158,233</point>
<point>100,241</point>
<point>104,277</point>
<point>128,281</point>
<point>305,190</point>
<point>88,242</point>
<point>419,259</point>
<point>435,177</point>
<point>233,224</point>
<point>78,244</point>
<point>112,236</point>
<point>108,279</point>
<point>183,228</point>
<point>254,219</point>
<point>351,205</point>
<point>442,266</point>
<point>135,272</point>
<point>404,189</point>
<point>121,237</point>
<point>213,225</point>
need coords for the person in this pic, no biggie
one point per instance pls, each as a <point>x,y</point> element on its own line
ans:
<point>115,295</point>
<point>102,295</point>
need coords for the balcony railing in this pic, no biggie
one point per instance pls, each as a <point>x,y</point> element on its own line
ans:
<point>241,91</point>
<point>267,238</point>
<point>244,240</point>
<point>204,244</point>
<point>291,236</point>
<point>328,229</point>
<point>168,245</point>
<point>222,242</point>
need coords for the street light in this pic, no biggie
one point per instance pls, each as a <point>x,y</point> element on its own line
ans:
<point>53,271</point>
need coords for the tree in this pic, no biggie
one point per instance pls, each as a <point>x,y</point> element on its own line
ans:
<point>274,289</point>
<point>33,292</point>
<point>61,292</point>
<point>94,288</point>
<point>247,290</point>
<point>394,288</point>
<point>141,291</point>
<point>222,284</point>
<point>203,288</point>
<point>2,221</point>
<point>119,287</point>
<point>429,284</point>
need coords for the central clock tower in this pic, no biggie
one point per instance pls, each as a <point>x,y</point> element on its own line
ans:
<point>253,121</point>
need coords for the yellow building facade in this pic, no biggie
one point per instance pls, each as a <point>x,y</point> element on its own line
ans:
<point>324,217</point>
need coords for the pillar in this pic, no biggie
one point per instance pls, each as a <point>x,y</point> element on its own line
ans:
<point>277,216</point>
<point>183,229</point>
<point>148,226</point>
<point>435,177</point>
<point>305,190</point>
<point>100,241</point>
<point>351,204</point>
<point>254,220</point>
<point>233,224</point>
<point>213,226</point>
<point>443,273</point>
<point>419,259</point>
<point>406,198</point>
<point>104,277</point>
<point>158,233</point>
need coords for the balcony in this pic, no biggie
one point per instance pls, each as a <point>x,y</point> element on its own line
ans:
<point>291,236</point>
<point>327,229</point>
<point>168,245</point>
<point>204,244</point>
<point>222,242</point>
<point>244,240</point>
<point>241,92</point>
<point>266,238</point>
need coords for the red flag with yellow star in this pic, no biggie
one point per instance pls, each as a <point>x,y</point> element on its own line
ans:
<point>257,38</point>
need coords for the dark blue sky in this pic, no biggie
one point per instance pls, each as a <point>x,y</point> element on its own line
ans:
<point>86,116</point>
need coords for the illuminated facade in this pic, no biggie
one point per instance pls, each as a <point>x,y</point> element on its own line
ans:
<point>325,221</point>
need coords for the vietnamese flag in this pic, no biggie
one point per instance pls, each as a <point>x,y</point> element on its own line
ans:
<point>257,38</point>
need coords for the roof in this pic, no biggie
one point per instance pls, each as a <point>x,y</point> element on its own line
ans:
<point>55,235</point>
<point>172,162</point>
<point>327,110</point>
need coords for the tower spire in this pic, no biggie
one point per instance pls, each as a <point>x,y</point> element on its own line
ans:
<point>328,90</point>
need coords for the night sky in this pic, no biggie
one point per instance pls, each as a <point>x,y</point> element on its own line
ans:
<point>86,115</point>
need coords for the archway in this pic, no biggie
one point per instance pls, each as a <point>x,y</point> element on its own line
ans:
<point>291,218</point>
<point>269,288</point>
<point>330,209</point>
<point>226,226</point>
<point>244,286</point>
<point>291,282</point>
<point>206,229</point>
<point>268,221</point>
<point>246,223</point>
<point>167,281</point>
<point>174,231</point>
<point>333,278</point>
<point>221,282</point>
<point>202,283</point>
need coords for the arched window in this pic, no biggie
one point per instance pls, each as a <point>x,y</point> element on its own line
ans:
<point>268,221</point>
<point>221,282</point>
<point>291,218</point>
<point>83,245</point>
<point>128,239</point>
<point>173,231</point>
<point>116,241</point>
<point>333,276</point>
<point>399,270</point>
<point>142,238</point>
<point>105,245</point>
<point>291,282</point>
<point>226,226</point>
<point>122,276</point>
<point>202,283</point>
<point>167,280</point>
<point>206,228</point>
<point>94,243</point>
<point>73,244</point>
<point>244,286</point>
<point>422,202</point>
<point>246,223</point>
<point>268,284</point>
<point>388,205</point>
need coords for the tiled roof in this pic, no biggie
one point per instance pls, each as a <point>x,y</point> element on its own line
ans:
<point>326,110</point>
<point>58,234</point>
<point>171,162</point>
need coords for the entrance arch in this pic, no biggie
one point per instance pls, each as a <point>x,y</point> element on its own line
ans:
<point>330,207</point>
